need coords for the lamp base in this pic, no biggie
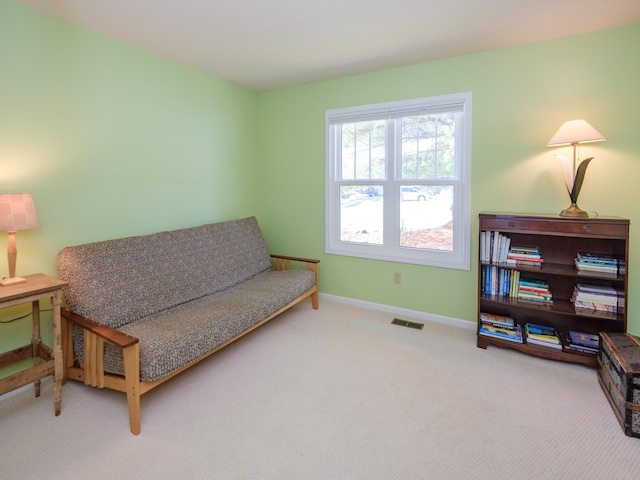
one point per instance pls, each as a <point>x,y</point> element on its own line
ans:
<point>573,211</point>
<point>7,282</point>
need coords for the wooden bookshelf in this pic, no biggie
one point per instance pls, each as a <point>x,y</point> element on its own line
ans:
<point>558,239</point>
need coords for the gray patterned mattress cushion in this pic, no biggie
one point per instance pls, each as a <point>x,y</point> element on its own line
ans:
<point>172,339</point>
<point>116,282</point>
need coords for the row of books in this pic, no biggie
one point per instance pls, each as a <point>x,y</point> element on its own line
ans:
<point>500,281</point>
<point>523,255</point>
<point>542,335</point>
<point>507,282</point>
<point>534,291</point>
<point>571,341</point>
<point>506,328</point>
<point>496,247</point>
<point>597,298</point>
<point>500,326</point>
<point>602,264</point>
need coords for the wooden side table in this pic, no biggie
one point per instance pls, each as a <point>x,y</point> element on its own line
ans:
<point>46,361</point>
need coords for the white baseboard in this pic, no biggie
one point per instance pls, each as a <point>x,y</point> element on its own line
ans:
<point>403,312</point>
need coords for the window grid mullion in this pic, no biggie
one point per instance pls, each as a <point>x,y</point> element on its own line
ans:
<point>392,204</point>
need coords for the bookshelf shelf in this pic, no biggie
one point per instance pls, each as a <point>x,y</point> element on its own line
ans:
<point>558,240</point>
<point>559,307</point>
<point>559,269</point>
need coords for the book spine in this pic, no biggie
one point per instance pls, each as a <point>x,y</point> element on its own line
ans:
<point>596,299</point>
<point>595,306</point>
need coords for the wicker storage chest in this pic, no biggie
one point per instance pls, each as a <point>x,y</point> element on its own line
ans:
<point>619,376</point>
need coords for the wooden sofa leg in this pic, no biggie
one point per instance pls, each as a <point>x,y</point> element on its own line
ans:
<point>67,347</point>
<point>132,383</point>
<point>313,266</point>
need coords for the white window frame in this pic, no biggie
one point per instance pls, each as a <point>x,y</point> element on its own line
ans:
<point>459,256</point>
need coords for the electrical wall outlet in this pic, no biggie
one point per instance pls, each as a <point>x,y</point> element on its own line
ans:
<point>397,277</point>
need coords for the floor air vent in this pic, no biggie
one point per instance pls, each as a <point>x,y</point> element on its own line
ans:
<point>405,323</point>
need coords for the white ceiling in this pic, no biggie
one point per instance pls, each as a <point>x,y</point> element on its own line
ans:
<point>267,44</point>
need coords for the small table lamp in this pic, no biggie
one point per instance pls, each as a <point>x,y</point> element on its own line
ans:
<point>17,212</point>
<point>574,132</point>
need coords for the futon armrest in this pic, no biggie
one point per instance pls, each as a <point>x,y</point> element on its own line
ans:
<point>283,262</point>
<point>119,339</point>
<point>297,259</point>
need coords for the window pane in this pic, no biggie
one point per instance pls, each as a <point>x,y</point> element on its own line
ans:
<point>428,146</point>
<point>419,152</point>
<point>361,214</point>
<point>426,218</point>
<point>363,150</point>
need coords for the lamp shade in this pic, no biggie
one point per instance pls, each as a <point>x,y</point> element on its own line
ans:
<point>17,212</point>
<point>573,132</point>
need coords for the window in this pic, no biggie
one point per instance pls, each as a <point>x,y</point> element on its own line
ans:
<point>398,181</point>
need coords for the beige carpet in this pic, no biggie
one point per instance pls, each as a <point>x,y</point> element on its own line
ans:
<point>337,393</point>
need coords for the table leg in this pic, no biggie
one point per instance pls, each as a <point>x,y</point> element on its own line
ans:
<point>36,340</point>
<point>57,352</point>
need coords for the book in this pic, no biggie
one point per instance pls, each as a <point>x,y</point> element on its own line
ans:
<point>582,342</point>
<point>542,333</point>
<point>595,297</point>
<point>578,348</point>
<point>593,273</point>
<point>596,266</point>
<point>527,288</point>
<point>588,288</point>
<point>524,263</point>
<point>595,307</point>
<point>593,267</point>
<point>584,339</point>
<point>524,255</point>
<point>523,260</point>
<point>496,319</point>
<point>528,282</point>
<point>486,245</point>
<point>580,297</point>
<point>534,290</point>
<point>535,299</point>
<point>494,247</point>
<point>600,258</point>
<point>515,281</point>
<point>525,249</point>
<point>514,336</point>
<point>534,328</point>
<point>507,330</point>
<point>534,295</point>
<point>541,299</point>
<point>536,341</point>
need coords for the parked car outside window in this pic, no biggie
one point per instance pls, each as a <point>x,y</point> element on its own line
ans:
<point>412,193</point>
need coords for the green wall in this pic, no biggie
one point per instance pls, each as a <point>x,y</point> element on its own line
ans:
<point>521,96</point>
<point>114,141</point>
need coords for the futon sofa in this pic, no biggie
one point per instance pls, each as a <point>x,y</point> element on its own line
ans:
<point>141,309</point>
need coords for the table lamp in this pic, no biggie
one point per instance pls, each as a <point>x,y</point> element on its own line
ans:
<point>17,212</point>
<point>574,132</point>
